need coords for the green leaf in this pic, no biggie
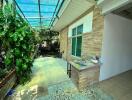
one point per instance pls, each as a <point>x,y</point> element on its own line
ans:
<point>15,38</point>
<point>3,33</point>
<point>23,34</point>
<point>18,62</point>
<point>18,41</point>
<point>24,46</point>
<point>17,69</point>
<point>21,38</point>
<point>7,61</point>
<point>24,66</point>
<point>17,52</point>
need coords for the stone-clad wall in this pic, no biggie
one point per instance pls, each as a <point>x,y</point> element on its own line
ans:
<point>86,77</point>
<point>63,42</point>
<point>91,42</point>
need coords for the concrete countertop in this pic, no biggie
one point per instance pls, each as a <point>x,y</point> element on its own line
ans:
<point>80,67</point>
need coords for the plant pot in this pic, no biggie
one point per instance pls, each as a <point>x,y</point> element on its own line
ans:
<point>7,83</point>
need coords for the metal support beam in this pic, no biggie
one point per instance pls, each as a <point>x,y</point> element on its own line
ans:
<point>39,17</point>
<point>21,12</point>
<point>22,3</point>
<point>54,13</point>
<point>36,12</point>
<point>40,14</point>
<point>37,21</point>
<point>52,21</point>
<point>60,8</point>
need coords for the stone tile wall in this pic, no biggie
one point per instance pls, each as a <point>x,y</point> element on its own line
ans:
<point>91,42</point>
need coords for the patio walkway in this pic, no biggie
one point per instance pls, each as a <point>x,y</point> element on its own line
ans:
<point>50,82</point>
<point>120,86</point>
<point>51,70</point>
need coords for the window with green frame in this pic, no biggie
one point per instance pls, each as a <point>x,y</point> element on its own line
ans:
<point>77,40</point>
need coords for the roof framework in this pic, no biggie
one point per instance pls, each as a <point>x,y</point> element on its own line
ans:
<point>39,13</point>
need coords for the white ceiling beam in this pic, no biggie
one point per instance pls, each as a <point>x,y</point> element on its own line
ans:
<point>108,6</point>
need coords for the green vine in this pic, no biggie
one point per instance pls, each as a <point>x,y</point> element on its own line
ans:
<point>18,43</point>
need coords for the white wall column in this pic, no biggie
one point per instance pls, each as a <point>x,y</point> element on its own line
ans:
<point>117,46</point>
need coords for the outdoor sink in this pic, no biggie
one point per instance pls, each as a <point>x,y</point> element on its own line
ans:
<point>81,63</point>
<point>84,63</point>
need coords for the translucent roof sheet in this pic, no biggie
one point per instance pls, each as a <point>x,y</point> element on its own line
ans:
<point>39,17</point>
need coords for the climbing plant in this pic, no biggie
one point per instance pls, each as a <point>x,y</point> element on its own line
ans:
<point>18,43</point>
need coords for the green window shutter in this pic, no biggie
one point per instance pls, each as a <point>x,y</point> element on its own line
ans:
<point>80,29</point>
<point>79,45</point>
<point>74,32</point>
<point>73,45</point>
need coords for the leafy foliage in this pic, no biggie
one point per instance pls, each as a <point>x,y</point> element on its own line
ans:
<point>18,43</point>
<point>49,35</point>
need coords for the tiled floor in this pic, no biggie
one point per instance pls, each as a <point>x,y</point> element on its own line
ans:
<point>50,82</point>
<point>47,71</point>
<point>120,87</point>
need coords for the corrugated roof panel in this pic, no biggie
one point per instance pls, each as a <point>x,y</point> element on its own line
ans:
<point>30,9</point>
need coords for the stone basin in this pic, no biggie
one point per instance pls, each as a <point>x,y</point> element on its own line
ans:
<point>81,63</point>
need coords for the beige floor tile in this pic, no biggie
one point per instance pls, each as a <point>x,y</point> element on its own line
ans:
<point>120,87</point>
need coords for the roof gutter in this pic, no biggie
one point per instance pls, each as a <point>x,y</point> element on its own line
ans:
<point>57,13</point>
<point>62,7</point>
<point>54,13</point>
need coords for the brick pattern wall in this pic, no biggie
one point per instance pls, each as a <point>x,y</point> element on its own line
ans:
<point>86,77</point>
<point>63,42</point>
<point>91,42</point>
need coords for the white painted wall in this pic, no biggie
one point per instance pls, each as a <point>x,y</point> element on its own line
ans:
<point>87,21</point>
<point>111,5</point>
<point>117,46</point>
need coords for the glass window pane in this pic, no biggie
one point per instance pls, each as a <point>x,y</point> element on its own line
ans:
<point>74,32</point>
<point>73,45</point>
<point>79,45</point>
<point>80,29</point>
